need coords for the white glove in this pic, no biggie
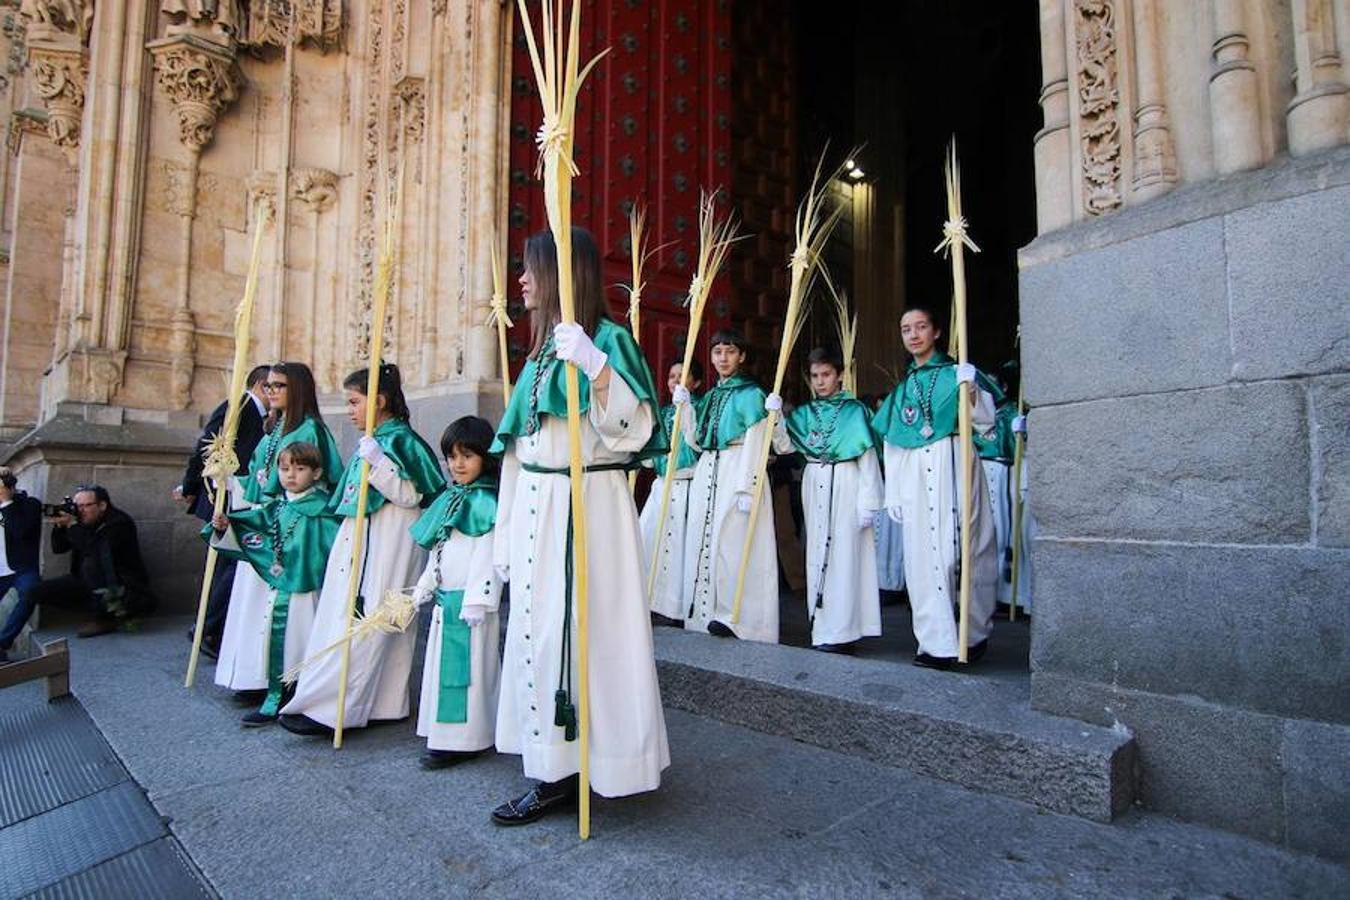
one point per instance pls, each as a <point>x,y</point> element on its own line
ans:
<point>472,615</point>
<point>369,449</point>
<point>422,595</point>
<point>743,502</point>
<point>895,513</point>
<point>965,373</point>
<point>680,396</point>
<point>773,403</point>
<point>503,573</point>
<point>571,344</point>
<point>865,519</point>
<point>1019,425</point>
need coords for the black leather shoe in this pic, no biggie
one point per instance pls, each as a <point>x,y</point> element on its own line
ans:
<point>304,725</point>
<point>844,649</point>
<point>665,621</point>
<point>257,719</point>
<point>444,759</point>
<point>720,629</point>
<point>975,652</point>
<point>924,661</point>
<point>210,648</point>
<point>543,798</point>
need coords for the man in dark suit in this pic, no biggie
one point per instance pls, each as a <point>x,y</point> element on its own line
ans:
<point>20,538</point>
<point>193,492</point>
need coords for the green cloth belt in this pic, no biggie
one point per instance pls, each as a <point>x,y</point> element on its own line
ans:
<point>567,470</point>
<point>452,694</point>
<point>276,653</point>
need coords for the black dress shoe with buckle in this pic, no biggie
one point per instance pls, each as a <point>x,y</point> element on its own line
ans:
<point>926,661</point>
<point>720,629</point>
<point>304,725</point>
<point>444,759</point>
<point>537,802</point>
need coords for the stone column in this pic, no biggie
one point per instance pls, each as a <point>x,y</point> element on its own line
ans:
<point>202,79</point>
<point>1234,94</point>
<point>1320,110</point>
<point>1155,161</point>
<point>1054,181</point>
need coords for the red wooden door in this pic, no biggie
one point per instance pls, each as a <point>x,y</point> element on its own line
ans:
<point>653,127</point>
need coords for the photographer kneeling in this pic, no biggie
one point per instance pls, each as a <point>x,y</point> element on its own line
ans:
<point>107,576</point>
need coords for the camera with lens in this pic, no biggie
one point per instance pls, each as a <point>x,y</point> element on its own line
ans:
<point>65,507</point>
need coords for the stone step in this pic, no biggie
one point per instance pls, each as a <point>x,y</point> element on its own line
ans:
<point>980,733</point>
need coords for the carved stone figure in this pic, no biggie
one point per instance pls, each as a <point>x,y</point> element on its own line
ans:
<point>224,18</point>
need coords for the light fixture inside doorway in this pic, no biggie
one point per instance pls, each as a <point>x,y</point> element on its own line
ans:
<point>855,172</point>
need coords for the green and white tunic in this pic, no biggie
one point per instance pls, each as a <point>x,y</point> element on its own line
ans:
<point>729,428</point>
<point>841,490</point>
<point>403,483</point>
<point>917,425</point>
<point>285,542</point>
<point>628,748</point>
<point>462,669</point>
<point>667,597</point>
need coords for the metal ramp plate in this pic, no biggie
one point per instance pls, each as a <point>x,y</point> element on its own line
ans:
<point>154,871</point>
<point>51,754</point>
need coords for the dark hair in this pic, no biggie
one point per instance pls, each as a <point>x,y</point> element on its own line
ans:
<point>390,387</point>
<point>928,313</point>
<point>825,356</point>
<point>695,369</point>
<point>472,434</point>
<point>8,478</point>
<point>302,397</point>
<point>99,491</point>
<point>541,259</point>
<point>257,374</point>
<point>729,336</point>
<point>302,453</point>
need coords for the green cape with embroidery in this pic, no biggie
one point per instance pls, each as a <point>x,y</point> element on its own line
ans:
<point>625,358</point>
<point>467,508</point>
<point>307,530</point>
<point>1002,442</point>
<point>900,420</point>
<point>410,455</point>
<point>831,429</point>
<point>728,411</point>
<point>687,456</point>
<point>310,431</point>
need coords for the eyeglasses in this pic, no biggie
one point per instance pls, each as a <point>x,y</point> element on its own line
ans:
<point>270,386</point>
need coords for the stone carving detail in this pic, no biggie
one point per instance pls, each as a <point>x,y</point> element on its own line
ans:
<point>1099,102</point>
<point>202,79</point>
<point>48,19</point>
<point>315,188</point>
<point>59,72</point>
<point>316,21</point>
<point>180,194</point>
<point>21,122</point>
<point>370,179</point>
<point>95,374</point>
<point>412,92</point>
<point>217,18</point>
<point>262,189</point>
<point>182,353</point>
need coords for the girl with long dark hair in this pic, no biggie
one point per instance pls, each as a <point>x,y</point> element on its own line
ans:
<point>404,479</point>
<point>536,717</point>
<point>293,419</point>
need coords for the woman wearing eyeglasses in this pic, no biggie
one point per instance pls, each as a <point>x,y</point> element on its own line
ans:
<point>293,418</point>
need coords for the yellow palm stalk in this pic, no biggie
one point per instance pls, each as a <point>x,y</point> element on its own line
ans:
<point>954,244</point>
<point>714,243</point>
<point>848,333</point>
<point>813,227</point>
<point>559,80</point>
<point>221,462</point>
<point>498,316</point>
<point>380,302</point>
<point>639,253</point>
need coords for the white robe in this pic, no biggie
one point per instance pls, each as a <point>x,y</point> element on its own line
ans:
<point>716,538</point>
<point>628,748</point>
<point>248,626</point>
<point>465,561</point>
<point>923,482</point>
<point>377,678</point>
<point>667,597</point>
<point>890,549</point>
<point>1026,578</point>
<point>996,477</point>
<point>833,499</point>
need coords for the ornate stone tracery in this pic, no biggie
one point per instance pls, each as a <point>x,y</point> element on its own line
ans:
<point>1099,102</point>
<point>318,22</point>
<point>202,79</point>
